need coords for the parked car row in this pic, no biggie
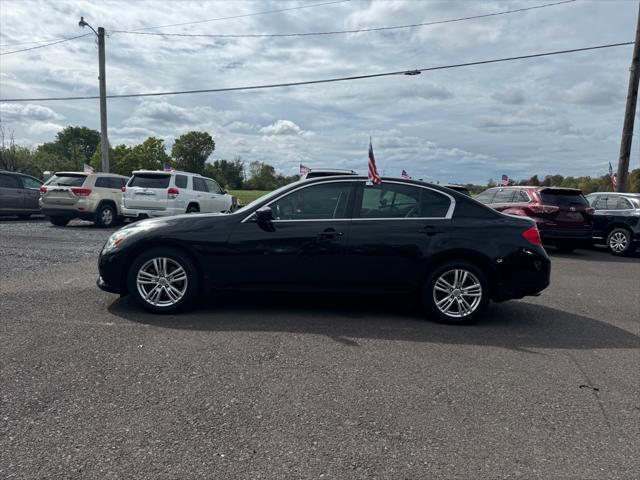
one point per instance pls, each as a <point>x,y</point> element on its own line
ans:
<point>568,220</point>
<point>106,199</point>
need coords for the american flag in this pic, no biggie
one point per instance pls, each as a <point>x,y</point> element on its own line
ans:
<point>373,171</point>
<point>505,181</point>
<point>87,168</point>
<point>304,170</point>
<point>167,168</point>
<point>404,174</point>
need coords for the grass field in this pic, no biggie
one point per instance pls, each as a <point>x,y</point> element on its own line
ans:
<point>247,196</point>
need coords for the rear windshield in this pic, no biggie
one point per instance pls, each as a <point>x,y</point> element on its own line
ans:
<point>67,180</point>
<point>149,181</point>
<point>562,198</point>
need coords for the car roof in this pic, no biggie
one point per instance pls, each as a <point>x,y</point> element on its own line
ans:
<point>336,170</point>
<point>166,173</point>
<point>622,194</point>
<point>97,174</point>
<point>357,177</point>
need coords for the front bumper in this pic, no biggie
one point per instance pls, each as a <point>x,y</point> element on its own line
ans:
<point>112,269</point>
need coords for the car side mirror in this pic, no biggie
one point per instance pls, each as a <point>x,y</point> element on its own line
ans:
<point>224,192</point>
<point>264,215</point>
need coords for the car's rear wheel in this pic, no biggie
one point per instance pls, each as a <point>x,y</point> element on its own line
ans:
<point>163,280</point>
<point>59,221</point>
<point>106,216</point>
<point>193,209</point>
<point>619,241</point>
<point>456,292</point>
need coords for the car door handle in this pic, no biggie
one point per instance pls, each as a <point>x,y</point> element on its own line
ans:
<point>329,234</point>
<point>430,230</point>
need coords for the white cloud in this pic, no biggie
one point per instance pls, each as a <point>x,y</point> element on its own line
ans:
<point>283,127</point>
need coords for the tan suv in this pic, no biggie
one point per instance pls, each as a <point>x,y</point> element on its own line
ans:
<point>95,197</point>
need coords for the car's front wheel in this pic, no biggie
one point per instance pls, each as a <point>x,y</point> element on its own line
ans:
<point>456,292</point>
<point>619,241</point>
<point>163,280</point>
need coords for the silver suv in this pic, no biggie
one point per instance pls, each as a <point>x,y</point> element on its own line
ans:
<point>95,197</point>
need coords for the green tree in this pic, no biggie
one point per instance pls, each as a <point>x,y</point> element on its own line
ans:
<point>75,144</point>
<point>117,163</point>
<point>229,174</point>
<point>634,180</point>
<point>261,177</point>
<point>191,150</point>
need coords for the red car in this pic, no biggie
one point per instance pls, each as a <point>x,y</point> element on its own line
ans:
<point>563,215</point>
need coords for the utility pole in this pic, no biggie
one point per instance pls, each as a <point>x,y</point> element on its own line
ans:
<point>629,114</point>
<point>103,94</point>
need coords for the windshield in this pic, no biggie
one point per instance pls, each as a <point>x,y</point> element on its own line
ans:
<point>67,180</point>
<point>263,198</point>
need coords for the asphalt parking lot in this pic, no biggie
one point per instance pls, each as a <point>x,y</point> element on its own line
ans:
<point>300,386</point>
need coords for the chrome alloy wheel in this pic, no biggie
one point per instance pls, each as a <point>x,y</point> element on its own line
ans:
<point>618,242</point>
<point>161,282</point>
<point>457,293</point>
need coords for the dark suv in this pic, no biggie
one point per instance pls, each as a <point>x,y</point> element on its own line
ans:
<point>563,215</point>
<point>19,194</point>
<point>616,222</point>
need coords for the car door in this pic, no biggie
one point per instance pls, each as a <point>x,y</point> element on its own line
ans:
<point>302,247</point>
<point>31,193</point>
<point>202,195</point>
<point>395,227</point>
<point>219,201</point>
<point>601,216</point>
<point>11,194</point>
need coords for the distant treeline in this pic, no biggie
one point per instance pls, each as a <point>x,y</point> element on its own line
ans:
<point>75,146</point>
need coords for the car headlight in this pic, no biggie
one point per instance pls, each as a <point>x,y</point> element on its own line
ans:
<point>117,238</point>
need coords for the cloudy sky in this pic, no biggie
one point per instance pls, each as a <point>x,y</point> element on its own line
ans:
<point>560,114</point>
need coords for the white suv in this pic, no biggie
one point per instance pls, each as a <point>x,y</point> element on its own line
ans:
<point>151,193</point>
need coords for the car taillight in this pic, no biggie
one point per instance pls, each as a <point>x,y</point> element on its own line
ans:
<point>123,189</point>
<point>532,235</point>
<point>81,192</point>
<point>173,192</point>
<point>43,189</point>
<point>535,208</point>
<point>590,210</point>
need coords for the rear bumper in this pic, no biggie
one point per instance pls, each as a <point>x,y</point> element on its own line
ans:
<point>68,213</point>
<point>144,213</point>
<point>526,272</point>
<point>552,235</point>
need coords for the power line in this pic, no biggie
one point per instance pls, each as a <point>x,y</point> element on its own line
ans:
<point>138,30</point>
<point>64,39</point>
<point>328,80</point>
<point>46,45</point>
<point>339,32</point>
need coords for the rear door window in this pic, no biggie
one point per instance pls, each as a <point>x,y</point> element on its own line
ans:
<point>67,180</point>
<point>326,201</point>
<point>621,204</point>
<point>145,180</point>
<point>486,196</point>
<point>103,182</point>
<point>504,195</point>
<point>9,181</point>
<point>521,197</point>
<point>199,185</point>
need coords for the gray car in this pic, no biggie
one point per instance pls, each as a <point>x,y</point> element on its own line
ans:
<point>19,194</point>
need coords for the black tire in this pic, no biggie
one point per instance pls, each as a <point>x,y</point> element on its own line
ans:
<point>164,303</point>
<point>193,209</point>
<point>431,295</point>
<point>59,221</point>
<point>24,216</point>
<point>106,216</point>
<point>620,242</point>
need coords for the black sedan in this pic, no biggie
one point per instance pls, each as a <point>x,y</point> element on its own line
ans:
<point>335,234</point>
